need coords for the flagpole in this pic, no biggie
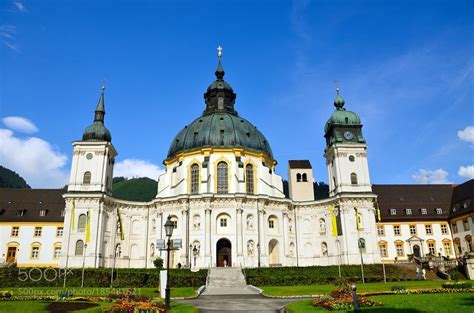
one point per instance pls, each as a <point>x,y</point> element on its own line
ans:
<point>84,251</point>
<point>68,242</point>
<point>113,248</point>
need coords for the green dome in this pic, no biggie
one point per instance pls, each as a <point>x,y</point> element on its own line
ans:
<point>97,131</point>
<point>342,117</point>
<point>220,130</point>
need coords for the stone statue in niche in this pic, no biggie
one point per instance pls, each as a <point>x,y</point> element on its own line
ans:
<point>292,249</point>
<point>250,248</point>
<point>196,247</point>
<point>322,226</point>
<point>196,222</point>
<point>250,222</point>
<point>324,249</point>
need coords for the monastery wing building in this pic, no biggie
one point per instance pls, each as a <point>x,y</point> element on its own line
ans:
<point>227,203</point>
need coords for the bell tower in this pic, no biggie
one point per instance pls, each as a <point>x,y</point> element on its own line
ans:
<point>93,157</point>
<point>345,152</point>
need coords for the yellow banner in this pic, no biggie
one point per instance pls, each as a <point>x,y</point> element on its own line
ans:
<point>334,213</point>
<point>122,236</point>
<point>73,214</point>
<point>88,228</point>
<point>357,218</point>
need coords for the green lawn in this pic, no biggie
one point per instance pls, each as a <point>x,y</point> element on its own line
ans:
<point>40,307</point>
<point>324,289</point>
<point>99,292</point>
<point>437,303</point>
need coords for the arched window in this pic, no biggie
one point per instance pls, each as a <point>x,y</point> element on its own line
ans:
<point>152,250</point>
<point>298,177</point>
<point>79,248</point>
<point>222,178</point>
<point>81,223</point>
<point>249,183</point>
<point>304,177</point>
<point>194,178</point>
<point>273,222</point>
<point>118,251</point>
<point>354,179</point>
<point>87,178</point>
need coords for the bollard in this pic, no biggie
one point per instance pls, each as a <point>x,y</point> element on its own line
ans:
<point>354,298</point>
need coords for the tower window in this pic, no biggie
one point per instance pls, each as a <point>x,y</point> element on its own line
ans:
<point>79,250</point>
<point>194,178</point>
<point>351,158</point>
<point>222,178</point>
<point>220,103</point>
<point>354,179</point>
<point>304,177</point>
<point>81,223</point>
<point>298,177</point>
<point>87,178</point>
<point>249,178</point>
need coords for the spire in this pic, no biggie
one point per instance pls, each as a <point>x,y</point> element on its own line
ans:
<point>100,109</point>
<point>220,70</point>
<point>339,101</point>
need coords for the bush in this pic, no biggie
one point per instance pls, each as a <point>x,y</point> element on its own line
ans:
<point>319,275</point>
<point>158,262</point>
<point>398,288</point>
<point>457,285</point>
<point>100,277</point>
<point>5,294</point>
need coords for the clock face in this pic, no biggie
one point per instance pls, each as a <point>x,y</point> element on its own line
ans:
<point>348,135</point>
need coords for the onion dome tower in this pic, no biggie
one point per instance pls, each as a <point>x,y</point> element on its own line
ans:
<point>97,130</point>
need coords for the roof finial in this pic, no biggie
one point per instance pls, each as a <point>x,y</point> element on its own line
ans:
<point>103,85</point>
<point>339,101</point>
<point>336,83</point>
<point>219,52</point>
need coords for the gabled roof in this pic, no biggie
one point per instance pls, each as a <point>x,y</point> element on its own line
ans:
<point>414,197</point>
<point>299,164</point>
<point>463,199</point>
<point>31,201</point>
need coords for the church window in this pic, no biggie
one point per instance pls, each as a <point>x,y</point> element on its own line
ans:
<point>347,120</point>
<point>304,177</point>
<point>298,177</point>
<point>195,178</point>
<point>118,251</point>
<point>81,223</point>
<point>222,178</point>
<point>354,179</point>
<point>429,229</point>
<point>79,248</point>
<point>87,178</point>
<point>412,229</point>
<point>249,183</point>
<point>223,222</point>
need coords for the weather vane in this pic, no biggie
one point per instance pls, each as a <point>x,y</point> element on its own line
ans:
<point>336,82</point>
<point>219,52</point>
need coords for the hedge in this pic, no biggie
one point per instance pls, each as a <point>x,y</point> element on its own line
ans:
<point>319,275</point>
<point>123,278</point>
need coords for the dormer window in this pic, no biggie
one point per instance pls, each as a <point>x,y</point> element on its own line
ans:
<point>393,211</point>
<point>42,212</point>
<point>424,211</point>
<point>21,213</point>
<point>439,211</point>
<point>408,211</point>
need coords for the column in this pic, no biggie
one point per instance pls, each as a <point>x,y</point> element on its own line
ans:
<point>208,233</point>
<point>239,232</point>
<point>285,236</point>
<point>184,223</point>
<point>262,224</point>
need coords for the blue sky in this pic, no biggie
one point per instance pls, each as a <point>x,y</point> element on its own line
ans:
<point>406,67</point>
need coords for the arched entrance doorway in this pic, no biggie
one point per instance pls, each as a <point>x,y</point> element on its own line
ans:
<point>224,253</point>
<point>273,252</point>
<point>416,251</point>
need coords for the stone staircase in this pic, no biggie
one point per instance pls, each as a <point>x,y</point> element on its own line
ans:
<point>227,281</point>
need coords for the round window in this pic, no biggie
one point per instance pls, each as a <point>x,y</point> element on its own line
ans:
<point>89,156</point>
<point>351,158</point>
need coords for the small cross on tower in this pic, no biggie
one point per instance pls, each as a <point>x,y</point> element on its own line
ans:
<point>219,52</point>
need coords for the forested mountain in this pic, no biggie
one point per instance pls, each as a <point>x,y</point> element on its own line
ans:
<point>135,189</point>
<point>10,179</point>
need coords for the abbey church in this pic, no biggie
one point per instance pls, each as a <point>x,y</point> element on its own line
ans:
<point>227,203</point>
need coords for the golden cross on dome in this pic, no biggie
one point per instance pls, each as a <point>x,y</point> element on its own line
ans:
<point>219,52</point>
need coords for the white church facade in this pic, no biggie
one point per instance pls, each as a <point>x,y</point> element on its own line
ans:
<point>227,202</point>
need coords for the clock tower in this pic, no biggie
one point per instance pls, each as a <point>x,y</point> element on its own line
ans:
<point>345,152</point>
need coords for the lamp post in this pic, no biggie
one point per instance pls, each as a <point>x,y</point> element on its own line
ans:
<point>83,265</point>
<point>169,226</point>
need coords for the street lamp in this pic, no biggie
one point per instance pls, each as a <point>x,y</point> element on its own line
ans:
<point>169,226</point>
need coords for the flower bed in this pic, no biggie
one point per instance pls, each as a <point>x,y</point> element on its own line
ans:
<point>457,285</point>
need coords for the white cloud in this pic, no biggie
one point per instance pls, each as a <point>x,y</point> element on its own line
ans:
<point>423,176</point>
<point>20,6</point>
<point>34,159</point>
<point>466,171</point>
<point>7,36</point>
<point>467,134</point>
<point>20,124</point>
<point>131,168</point>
